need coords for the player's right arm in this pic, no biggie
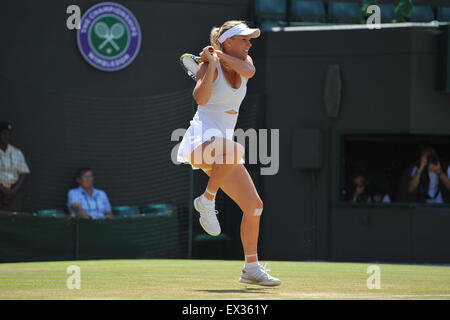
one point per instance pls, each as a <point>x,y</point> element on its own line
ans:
<point>205,78</point>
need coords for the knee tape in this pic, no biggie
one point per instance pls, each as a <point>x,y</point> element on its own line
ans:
<point>258,212</point>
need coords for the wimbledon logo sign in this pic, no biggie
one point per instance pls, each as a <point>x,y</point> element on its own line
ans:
<point>109,37</point>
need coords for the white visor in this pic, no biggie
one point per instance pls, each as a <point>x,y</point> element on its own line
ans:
<point>240,30</point>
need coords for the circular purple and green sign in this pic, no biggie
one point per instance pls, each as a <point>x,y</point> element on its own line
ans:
<point>109,37</point>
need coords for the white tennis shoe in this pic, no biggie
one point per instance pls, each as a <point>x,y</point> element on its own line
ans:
<point>208,219</point>
<point>259,276</point>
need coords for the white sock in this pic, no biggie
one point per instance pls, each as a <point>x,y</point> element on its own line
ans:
<point>250,265</point>
<point>206,201</point>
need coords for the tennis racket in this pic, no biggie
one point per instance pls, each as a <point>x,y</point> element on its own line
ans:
<point>189,62</point>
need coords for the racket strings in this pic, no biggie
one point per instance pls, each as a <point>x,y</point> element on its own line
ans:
<point>190,62</point>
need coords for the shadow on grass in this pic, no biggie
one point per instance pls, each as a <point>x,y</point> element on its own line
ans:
<point>245,290</point>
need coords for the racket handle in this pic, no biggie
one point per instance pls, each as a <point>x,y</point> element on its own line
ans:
<point>211,50</point>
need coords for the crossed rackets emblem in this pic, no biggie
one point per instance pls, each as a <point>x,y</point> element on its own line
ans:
<point>109,34</point>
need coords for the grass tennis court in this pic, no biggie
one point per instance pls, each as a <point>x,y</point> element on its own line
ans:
<point>213,279</point>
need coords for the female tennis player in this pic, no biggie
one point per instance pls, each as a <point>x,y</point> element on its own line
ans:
<point>208,142</point>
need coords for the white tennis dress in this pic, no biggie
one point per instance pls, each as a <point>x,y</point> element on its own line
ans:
<point>211,119</point>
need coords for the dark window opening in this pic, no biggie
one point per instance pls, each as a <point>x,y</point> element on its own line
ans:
<point>380,168</point>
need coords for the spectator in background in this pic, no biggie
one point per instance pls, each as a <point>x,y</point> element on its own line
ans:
<point>13,170</point>
<point>357,190</point>
<point>429,178</point>
<point>379,194</point>
<point>86,201</point>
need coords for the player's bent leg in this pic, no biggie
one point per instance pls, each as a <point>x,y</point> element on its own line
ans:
<point>226,156</point>
<point>219,150</point>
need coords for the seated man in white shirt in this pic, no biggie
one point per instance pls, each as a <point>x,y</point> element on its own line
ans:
<point>429,182</point>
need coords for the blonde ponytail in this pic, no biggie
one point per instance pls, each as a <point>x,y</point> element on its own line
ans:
<point>214,38</point>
